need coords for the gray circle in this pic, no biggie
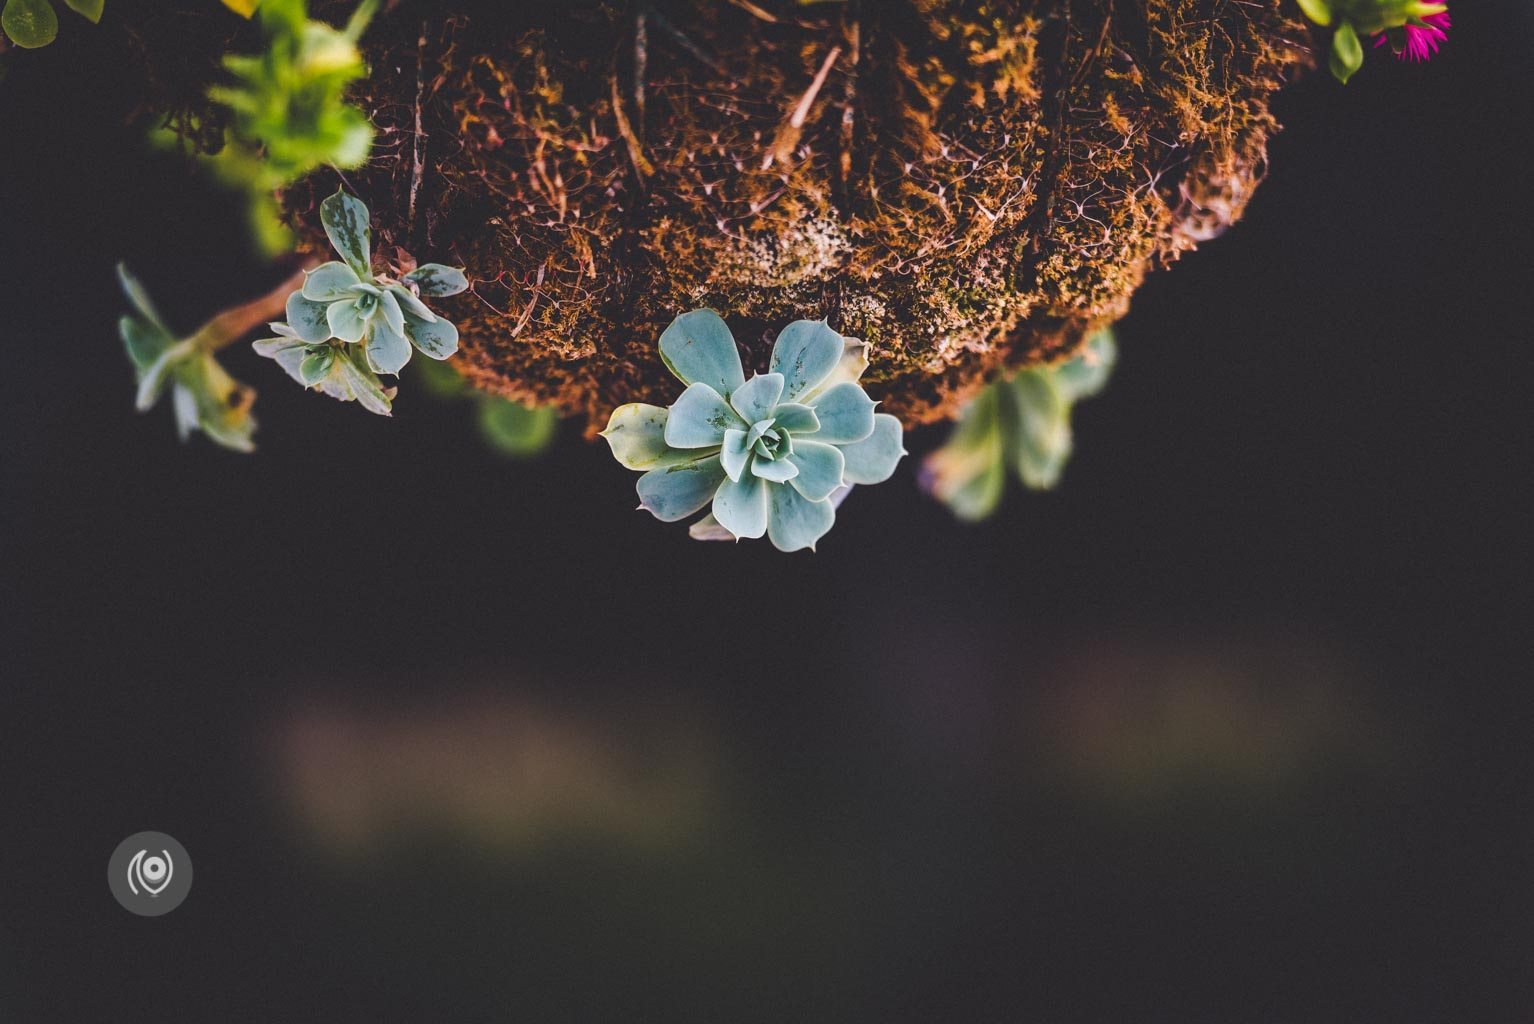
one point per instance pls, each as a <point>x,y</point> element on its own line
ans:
<point>150,873</point>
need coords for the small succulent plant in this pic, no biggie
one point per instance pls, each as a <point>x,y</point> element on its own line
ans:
<point>347,324</point>
<point>772,455</point>
<point>1024,421</point>
<point>203,395</point>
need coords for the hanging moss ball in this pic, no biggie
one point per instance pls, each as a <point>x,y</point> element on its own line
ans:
<point>965,185</point>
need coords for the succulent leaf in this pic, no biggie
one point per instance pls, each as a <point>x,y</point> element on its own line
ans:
<point>805,354</point>
<point>873,459</point>
<point>350,230</point>
<point>677,491</point>
<point>388,350</point>
<point>330,282</point>
<point>699,419</point>
<point>795,522</point>
<point>437,338</point>
<point>308,319</point>
<point>699,349</point>
<point>741,506</point>
<point>436,279</point>
<point>846,414</point>
<point>820,469</point>
<point>636,433</point>
<point>755,399</point>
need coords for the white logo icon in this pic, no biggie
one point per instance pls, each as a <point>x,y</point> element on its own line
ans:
<point>151,872</point>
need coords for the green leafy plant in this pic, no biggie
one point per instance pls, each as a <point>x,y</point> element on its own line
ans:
<point>348,324</point>
<point>33,23</point>
<point>203,396</point>
<point>1023,421</point>
<point>769,455</point>
<point>290,114</point>
<point>1413,29</point>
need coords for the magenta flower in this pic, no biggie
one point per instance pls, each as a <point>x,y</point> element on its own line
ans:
<point>1422,40</point>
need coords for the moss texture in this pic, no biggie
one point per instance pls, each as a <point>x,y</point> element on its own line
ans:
<point>966,185</point>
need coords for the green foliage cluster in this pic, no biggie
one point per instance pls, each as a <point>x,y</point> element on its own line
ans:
<point>1351,20</point>
<point>1023,422</point>
<point>290,114</point>
<point>33,23</point>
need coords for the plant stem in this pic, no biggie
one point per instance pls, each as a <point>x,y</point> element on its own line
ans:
<point>235,322</point>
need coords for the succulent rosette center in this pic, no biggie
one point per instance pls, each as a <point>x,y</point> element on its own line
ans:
<point>772,454</point>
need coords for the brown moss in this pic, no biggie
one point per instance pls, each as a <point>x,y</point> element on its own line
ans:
<point>972,184</point>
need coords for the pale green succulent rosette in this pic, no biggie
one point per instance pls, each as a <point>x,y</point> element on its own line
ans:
<point>770,456</point>
<point>347,301</point>
<point>203,396</point>
<point>1024,422</point>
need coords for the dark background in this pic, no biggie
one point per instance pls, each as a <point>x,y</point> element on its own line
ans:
<point>1231,727</point>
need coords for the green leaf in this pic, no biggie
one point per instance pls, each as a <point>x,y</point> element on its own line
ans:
<point>90,8</point>
<point>757,397</point>
<point>846,414</point>
<point>309,320</point>
<point>411,303</point>
<point>362,385</point>
<point>315,366</point>
<point>742,506</point>
<point>873,459</point>
<point>515,429</point>
<point>1347,54</point>
<point>388,350</point>
<point>143,340</point>
<point>734,453</point>
<point>968,473</point>
<point>636,433</point>
<point>440,379</point>
<point>779,471</point>
<point>154,377</point>
<point>436,279</point>
<point>29,23</point>
<point>1042,441</point>
<point>392,314</point>
<point>805,354</point>
<point>796,419</point>
<point>330,282</point>
<point>289,353</point>
<point>349,228</point>
<point>139,297</point>
<point>1318,11</point>
<point>437,339</point>
<point>348,319</point>
<point>1088,373</point>
<point>676,492</point>
<point>795,522</point>
<point>698,349</point>
<point>820,469</point>
<point>699,418</point>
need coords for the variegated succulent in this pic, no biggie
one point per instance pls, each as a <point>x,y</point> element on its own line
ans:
<point>203,395</point>
<point>772,455</point>
<point>345,303</point>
